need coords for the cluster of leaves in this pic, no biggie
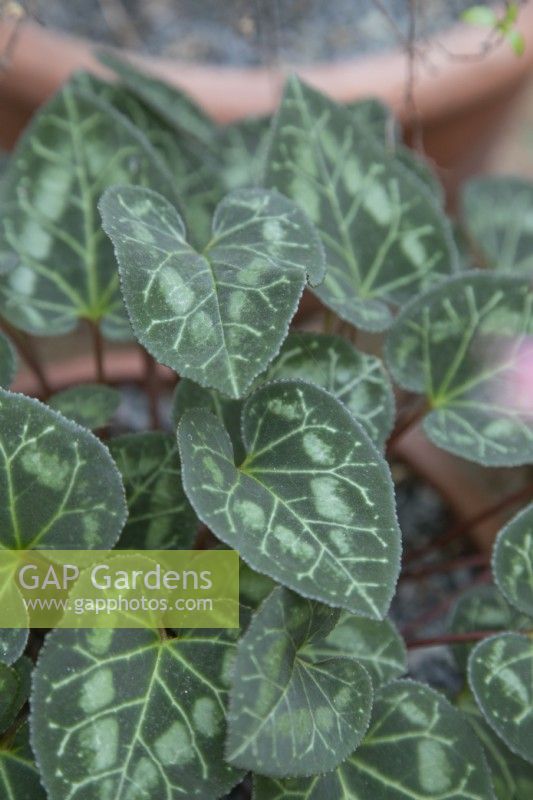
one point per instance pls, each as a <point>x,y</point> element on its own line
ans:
<point>126,207</point>
<point>501,23</point>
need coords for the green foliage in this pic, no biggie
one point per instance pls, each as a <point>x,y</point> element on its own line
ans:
<point>461,346</point>
<point>502,23</point>
<point>208,237</point>
<point>91,405</point>
<point>311,505</point>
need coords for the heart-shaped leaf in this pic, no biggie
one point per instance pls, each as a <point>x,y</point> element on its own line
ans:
<point>64,268</point>
<point>483,608</point>
<point>466,346</point>
<point>312,505</point>
<point>497,213</point>
<point>512,777</point>
<point>385,237</point>
<point>159,515</point>
<point>417,747</point>
<point>254,587</point>
<point>77,498</point>
<point>147,716</point>
<point>15,685</point>
<point>376,644</point>
<point>290,712</point>
<point>19,778</point>
<point>8,361</point>
<point>500,673</point>
<point>512,561</point>
<point>91,405</point>
<point>223,325</point>
<point>12,644</point>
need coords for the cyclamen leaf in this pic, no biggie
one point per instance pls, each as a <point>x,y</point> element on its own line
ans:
<point>512,561</point>
<point>160,516</point>
<point>464,345</point>
<point>122,714</point>
<point>512,777</point>
<point>19,778</point>
<point>77,498</point>
<point>498,215</point>
<point>12,644</point>
<point>91,405</point>
<point>483,608</point>
<point>376,644</point>
<point>15,685</point>
<point>219,316</point>
<point>500,674</point>
<point>64,267</point>
<point>417,747</point>
<point>385,237</point>
<point>253,586</point>
<point>312,505</point>
<point>243,147</point>
<point>8,361</point>
<point>290,712</point>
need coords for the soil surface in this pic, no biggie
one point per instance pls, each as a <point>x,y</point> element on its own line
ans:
<point>248,32</point>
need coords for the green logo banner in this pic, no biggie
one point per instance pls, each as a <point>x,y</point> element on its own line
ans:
<point>119,589</point>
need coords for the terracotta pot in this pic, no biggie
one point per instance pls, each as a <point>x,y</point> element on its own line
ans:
<point>462,103</point>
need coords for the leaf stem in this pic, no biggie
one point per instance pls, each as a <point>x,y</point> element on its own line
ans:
<point>151,387</point>
<point>405,425</point>
<point>27,352</point>
<point>98,350</point>
<point>457,638</point>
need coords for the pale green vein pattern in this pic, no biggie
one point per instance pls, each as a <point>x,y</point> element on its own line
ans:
<point>497,212</point>
<point>312,505</point>
<point>500,674</point>
<point>122,715</point>
<point>159,515</point>
<point>418,747</point>
<point>91,405</point>
<point>12,644</point>
<point>512,777</point>
<point>291,712</point>
<point>243,148</point>
<point>59,487</point>
<point>512,561</point>
<point>8,361</point>
<point>217,316</point>
<point>465,345</point>
<point>483,608</point>
<point>384,235</point>
<point>19,778</point>
<point>63,267</point>
<point>376,644</point>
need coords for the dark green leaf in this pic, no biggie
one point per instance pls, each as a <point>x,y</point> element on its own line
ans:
<point>91,405</point>
<point>64,269</point>
<point>243,148</point>
<point>512,561</point>
<point>12,644</point>
<point>8,361</point>
<point>19,778</point>
<point>160,516</point>
<point>418,747</point>
<point>464,345</point>
<point>121,714</point>
<point>292,713</point>
<point>498,215</point>
<point>312,505</point>
<point>385,237</point>
<point>500,673</point>
<point>223,325</point>
<point>15,685</point>
<point>59,487</point>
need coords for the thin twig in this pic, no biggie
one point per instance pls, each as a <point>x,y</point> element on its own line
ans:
<point>98,350</point>
<point>151,386</point>
<point>409,422</point>
<point>27,352</point>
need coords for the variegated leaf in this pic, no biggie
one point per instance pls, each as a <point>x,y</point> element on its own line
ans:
<point>122,714</point>
<point>243,148</point>
<point>217,316</point>
<point>63,267</point>
<point>77,497</point>
<point>19,777</point>
<point>15,684</point>
<point>159,515</point>
<point>512,561</point>
<point>497,212</point>
<point>91,405</point>
<point>384,235</point>
<point>500,674</point>
<point>418,747</point>
<point>291,712</point>
<point>465,346</point>
<point>8,361</point>
<point>312,504</point>
<point>12,644</point>
<point>483,608</point>
<point>376,644</point>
